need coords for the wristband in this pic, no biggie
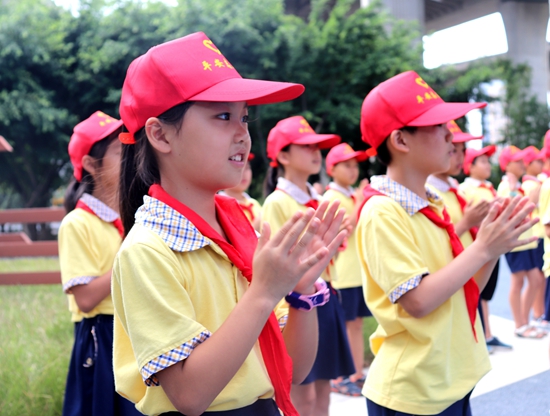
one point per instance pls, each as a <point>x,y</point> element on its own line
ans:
<point>308,302</point>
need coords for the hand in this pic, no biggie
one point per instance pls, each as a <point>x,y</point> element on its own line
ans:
<point>500,230</point>
<point>358,194</point>
<point>474,214</point>
<point>305,244</point>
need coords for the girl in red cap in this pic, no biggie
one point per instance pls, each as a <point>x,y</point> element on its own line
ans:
<point>89,237</point>
<point>294,149</point>
<point>197,327</point>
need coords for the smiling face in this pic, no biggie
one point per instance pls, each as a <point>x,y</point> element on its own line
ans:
<point>209,151</point>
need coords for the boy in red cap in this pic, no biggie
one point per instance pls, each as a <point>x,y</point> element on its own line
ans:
<point>477,189</point>
<point>89,238</point>
<point>429,348</point>
<point>342,164</point>
<point>525,262</point>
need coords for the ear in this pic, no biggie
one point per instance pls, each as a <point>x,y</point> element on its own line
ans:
<point>398,142</point>
<point>283,158</point>
<point>89,164</point>
<point>159,135</point>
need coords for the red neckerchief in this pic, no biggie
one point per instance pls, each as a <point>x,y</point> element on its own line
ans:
<point>471,290</point>
<point>312,203</point>
<point>248,208</point>
<point>462,202</point>
<point>116,223</point>
<point>240,252</point>
<point>489,187</point>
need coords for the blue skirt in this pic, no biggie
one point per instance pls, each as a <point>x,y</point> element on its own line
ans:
<point>90,387</point>
<point>526,260</point>
<point>353,303</point>
<point>333,353</point>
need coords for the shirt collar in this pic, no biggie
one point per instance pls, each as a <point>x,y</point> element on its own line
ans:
<point>295,192</point>
<point>99,208</point>
<point>409,201</point>
<point>439,184</point>
<point>476,182</point>
<point>173,228</point>
<point>346,191</point>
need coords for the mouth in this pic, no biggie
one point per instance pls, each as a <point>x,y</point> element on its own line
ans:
<point>239,157</point>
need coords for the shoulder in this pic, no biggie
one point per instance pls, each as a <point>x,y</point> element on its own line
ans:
<point>278,198</point>
<point>80,221</point>
<point>380,206</point>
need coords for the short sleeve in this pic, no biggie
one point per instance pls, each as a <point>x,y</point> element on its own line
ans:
<point>388,249</point>
<point>154,308</point>
<point>79,260</point>
<point>273,214</point>
<point>544,203</point>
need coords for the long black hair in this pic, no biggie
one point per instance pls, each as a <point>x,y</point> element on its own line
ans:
<point>139,167</point>
<point>76,189</point>
<point>273,174</point>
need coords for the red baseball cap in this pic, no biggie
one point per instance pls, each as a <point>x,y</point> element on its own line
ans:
<point>341,153</point>
<point>509,154</point>
<point>471,154</point>
<point>531,153</point>
<point>87,133</point>
<point>191,68</point>
<point>458,135</point>
<point>405,100</point>
<point>296,130</point>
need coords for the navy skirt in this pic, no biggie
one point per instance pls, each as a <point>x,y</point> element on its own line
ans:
<point>526,260</point>
<point>333,353</point>
<point>90,387</point>
<point>353,303</point>
<point>262,407</point>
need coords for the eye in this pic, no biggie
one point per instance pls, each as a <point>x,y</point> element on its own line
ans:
<point>245,119</point>
<point>224,116</point>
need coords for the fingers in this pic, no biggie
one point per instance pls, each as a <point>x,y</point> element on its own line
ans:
<point>264,236</point>
<point>278,238</point>
<point>291,236</point>
<point>519,243</point>
<point>492,214</point>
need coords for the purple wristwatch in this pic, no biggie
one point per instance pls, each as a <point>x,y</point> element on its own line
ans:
<point>308,302</point>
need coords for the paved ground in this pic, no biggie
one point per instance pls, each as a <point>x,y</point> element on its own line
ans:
<point>519,383</point>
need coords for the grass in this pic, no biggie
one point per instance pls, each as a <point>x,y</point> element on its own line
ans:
<point>37,337</point>
<point>36,340</point>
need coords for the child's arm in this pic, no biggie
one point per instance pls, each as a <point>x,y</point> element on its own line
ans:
<point>88,296</point>
<point>280,265</point>
<point>497,235</point>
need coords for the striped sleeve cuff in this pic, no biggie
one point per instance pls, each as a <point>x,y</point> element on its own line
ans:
<point>405,287</point>
<point>82,280</point>
<point>149,370</point>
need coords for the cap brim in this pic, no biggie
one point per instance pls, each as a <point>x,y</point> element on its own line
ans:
<point>489,151</point>
<point>325,141</point>
<point>443,113</point>
<point>252,91</point>
<point>464,137</point>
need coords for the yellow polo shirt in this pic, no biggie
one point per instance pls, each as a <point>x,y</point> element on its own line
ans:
<point>528,187</point>
<point>544,208</point>
<point>503,191</point>
<point>87,249</point>
<point>256,209</point>
<point>172,288</point>
<point>421,365</point>
<point>347,264</point>
<point>472,192</point>
<point>278,208</point>
<point>455,212</point>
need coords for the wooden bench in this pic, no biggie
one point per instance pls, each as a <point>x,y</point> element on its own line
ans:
<point>20,245</point>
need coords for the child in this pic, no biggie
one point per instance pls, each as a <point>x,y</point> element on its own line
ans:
<point>89,238</point>
<point>429,354</point>
<point>524,262</point>
<point>531,186</point>
<point>294,150</point>
<point>544,208</point>
<point>251,208</point>
<point>342,164</point>
<point>478,190</point>
<point>194,332</point>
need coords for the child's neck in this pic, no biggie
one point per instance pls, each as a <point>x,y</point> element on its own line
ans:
<point>239,196</point>
<point>297,178</point>
<point>413,180</point>
<point>532,173</point>
<point>478,178</point>
<point>107,197</point>
<point>341,184</point>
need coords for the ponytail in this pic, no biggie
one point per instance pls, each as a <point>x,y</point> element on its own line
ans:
<point>139,167</point>
<point>270,182</point>
<point>86,185</point>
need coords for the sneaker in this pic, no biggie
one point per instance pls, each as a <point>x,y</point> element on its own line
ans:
<point>345,387</point>
<point>495,342</point>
